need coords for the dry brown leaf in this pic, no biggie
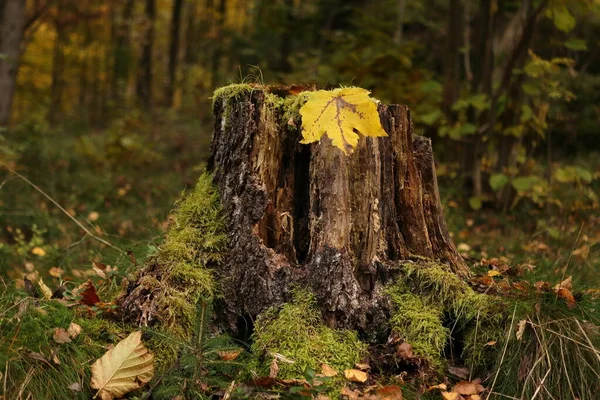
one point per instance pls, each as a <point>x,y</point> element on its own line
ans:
<point>568,296</point>
<point>73,330</point>
<point>350,394</point>
<point>122,369</point>
<point>451,396</point>
<point>362,366</point>
<point>56,272</point>
<point>76,387</point>
<point>404,351</point>
<point>61,336</point>
<point>521,329</point>
<point>391,392</point>
<point>465,388</point>
<point>460,372</point>
<point>38,251</point>
<point>441,386</point>
<point>328,371</point>
<point>273,369</point>
<point>491,343</point>
<point>229,355</point>
<point>54,356</point>
<point>566,284</point>
<point>355,375</point>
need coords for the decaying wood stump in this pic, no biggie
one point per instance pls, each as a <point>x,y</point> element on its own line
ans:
<point>311,216</point>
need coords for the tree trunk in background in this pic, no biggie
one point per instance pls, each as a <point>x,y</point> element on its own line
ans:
<point>452,60</point>
<point>58,61</point>
<point>144,75</point>
<point>12,20</point>
<point>314,217</point>
<point>173,52</point>
<point>217,52</point>
<point>122,55</point>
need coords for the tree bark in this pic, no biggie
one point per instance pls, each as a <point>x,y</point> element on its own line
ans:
<point>312,216</point>
<point>12,20</point>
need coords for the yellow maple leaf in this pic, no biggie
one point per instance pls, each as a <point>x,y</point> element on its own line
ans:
<point>340,113</point>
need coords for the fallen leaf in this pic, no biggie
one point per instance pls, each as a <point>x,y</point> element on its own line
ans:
<point>404,351</point>
<point>76,387</point>
<point>451,396</point>
<point>460,372</point>
<point>46,292</point>
<point>362,366</point>
<point>463,247</point>
<point>521,329</point>
<point>568,296</point>
<point>465,388</point>
<point>340,113</point>
<point>73,330</point>
<point>350,394</point>
<point>56,272</point>
<point>273,369</point>
<point>93,216</point>
<point>229,355</point>
<point>391,392</point>
<point>355,375</point>
<point>491,343</point>
<point>328,371</point>
<point>566,284</point>
<point>493,272</point>
<point>87,290</point>
<point>38,251</point>
<point>54,356</point>
<point>123,368</point>
<point>441,386</point>
<point>99,269</point>
<point>61,336</point>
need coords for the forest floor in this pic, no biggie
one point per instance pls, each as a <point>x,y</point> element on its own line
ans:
<point>122,182</point>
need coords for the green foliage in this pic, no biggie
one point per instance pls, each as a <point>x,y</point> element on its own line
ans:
<point>295,334</point>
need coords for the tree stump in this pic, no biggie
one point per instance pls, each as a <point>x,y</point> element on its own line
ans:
<point>312,216</point>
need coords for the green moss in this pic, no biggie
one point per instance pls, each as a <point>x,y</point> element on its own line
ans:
<point>232,91</point>
<point>428,295</point>
<point>195,241</point>
<point>296,331</point>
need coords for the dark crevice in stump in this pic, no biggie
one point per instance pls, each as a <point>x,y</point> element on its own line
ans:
<point>309,215</point>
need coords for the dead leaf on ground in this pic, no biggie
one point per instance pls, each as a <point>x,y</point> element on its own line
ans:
<point>355,375</point>
<point>568,296</point>
<point>46,292</point>
<point>350,394</point>
<point>466,388</point>
<point>451,396</point>
<point>88,293</point>
<point>441,386</point>
<point>566,284</point>
<point>122,369</point>
<point>326,370</point>
<point>73,330</point>
<point>229,355</point>
<point>273,369</point>
<point>76,387</point>
<point>459,372</point>
<point>61,336</point>
<point>404,351</point>
<point>391,392</point>
<point>362,366</point>
<point>56,272</point>
<point>491,343</point>
<point>38,251</point>
<point>521,329</point>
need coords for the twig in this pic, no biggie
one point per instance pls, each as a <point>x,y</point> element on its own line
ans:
<point>61,208</point>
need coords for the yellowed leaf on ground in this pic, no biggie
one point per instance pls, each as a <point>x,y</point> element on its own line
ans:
<point>451,396</point>
<point>391,392</point>
<point>328,371</point>
<point>73,330</point>
<point>340,113</point>
<point>38,251</point>
<point>355,375</point>
<point>123,368</point>
<point>229,355</point>
<point>46,292</point>
<point>521,329</point>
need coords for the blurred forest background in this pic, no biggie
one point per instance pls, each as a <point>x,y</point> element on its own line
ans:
<point>106,106</point>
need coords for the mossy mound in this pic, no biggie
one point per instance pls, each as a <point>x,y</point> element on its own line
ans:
<point>295,334</point>
<point>33,365</point>
<point>432,305</point>
<point>179,275</point>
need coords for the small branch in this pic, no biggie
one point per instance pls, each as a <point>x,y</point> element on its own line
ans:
<point>61,208</point>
